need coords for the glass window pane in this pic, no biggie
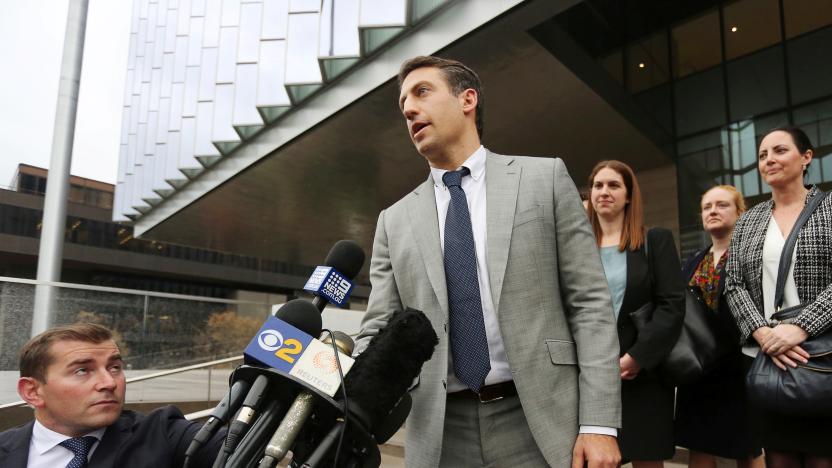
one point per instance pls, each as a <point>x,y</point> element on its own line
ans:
<point>245,96</point>
<point>339,29</point>
<point>304,5</point>
<point>275,19</point>
<point>211,34</point>
<point>750,25</point>
<point>802,16</point>
<point>647,63</point>
<point>696,44</point>
<point>270,89</point>
<point>302,49</point>
<point>656,102</point>
<point>195,41</point>
<point>614,65</point>
<point>223,130</point>
<point>230,13</point>
<point>816,121</point>
<point>700,102</point>
<point>227,55</point>
<point>810,67</point>
<point>249,42</point>
<point>207,74</point>
<point>383,12</point>
<point>756,84</point>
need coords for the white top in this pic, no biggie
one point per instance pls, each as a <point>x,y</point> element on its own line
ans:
<point>474,187</point>
<point>772,249</point>
<point>44,451</point>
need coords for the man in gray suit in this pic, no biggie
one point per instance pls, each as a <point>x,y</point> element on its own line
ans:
<point>498,253</point>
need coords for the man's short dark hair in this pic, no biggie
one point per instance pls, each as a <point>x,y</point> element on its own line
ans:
<point>457,74</point>
<point>35,356</point>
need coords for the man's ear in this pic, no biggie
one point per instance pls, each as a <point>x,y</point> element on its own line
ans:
<point>29,389</point>
<point>469,100</point>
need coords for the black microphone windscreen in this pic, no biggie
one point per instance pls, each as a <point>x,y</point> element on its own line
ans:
<point>386,369</point>
<point>301,314</point>
<point>391,423</point>
<point>347,257</point>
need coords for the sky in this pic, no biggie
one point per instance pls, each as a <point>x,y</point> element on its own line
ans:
<point>32,36</point>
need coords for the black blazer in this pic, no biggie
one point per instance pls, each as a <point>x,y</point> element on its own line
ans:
<point>666,290</point>
<point>157,440</point>
<point>724,324</point>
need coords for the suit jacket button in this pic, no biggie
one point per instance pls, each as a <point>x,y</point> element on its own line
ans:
<point>444,383</point>
<point>446,327</point>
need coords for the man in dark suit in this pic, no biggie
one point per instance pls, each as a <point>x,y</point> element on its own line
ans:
<point>74,379</point>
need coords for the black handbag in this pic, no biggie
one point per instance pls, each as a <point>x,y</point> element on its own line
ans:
<point>697,350</point>
<point>807,389</point>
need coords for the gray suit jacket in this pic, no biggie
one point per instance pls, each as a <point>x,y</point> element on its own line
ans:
<point>550,294</point>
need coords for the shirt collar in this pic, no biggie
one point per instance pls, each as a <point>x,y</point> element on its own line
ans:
<point>45,439</point>
<point>475,163</point>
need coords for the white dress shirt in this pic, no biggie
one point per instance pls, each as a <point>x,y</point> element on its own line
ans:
<point>475,194</point>
<point>45,451</point>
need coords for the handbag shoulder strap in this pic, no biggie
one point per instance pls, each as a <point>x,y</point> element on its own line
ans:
<point>791,241</point>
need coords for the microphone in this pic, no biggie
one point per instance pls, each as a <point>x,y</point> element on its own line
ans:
<point>244,417</point>
<point>381,434</point>
<point>218,417</point>
<point>302,315</point>
<point>392,360</point>
<point>378,380</point>
<point>385,429</point>
<point>332,282</point>
<point>290,329</point>
<point>255,439</point>
<point>300,410</point>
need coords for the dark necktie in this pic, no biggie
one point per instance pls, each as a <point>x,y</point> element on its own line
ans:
<point>469,344</point>
<point>80,446</point>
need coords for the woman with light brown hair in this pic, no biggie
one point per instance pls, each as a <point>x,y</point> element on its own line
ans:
<point>712,413</point>
<point>641,266</point>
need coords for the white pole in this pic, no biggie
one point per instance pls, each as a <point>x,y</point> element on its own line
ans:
<point>50,255</point>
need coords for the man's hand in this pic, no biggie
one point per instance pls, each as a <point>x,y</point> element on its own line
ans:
<point>595,451</point>
<point>629,367</point>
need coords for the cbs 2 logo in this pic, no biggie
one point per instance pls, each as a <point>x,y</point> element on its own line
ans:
<point>272,340</point>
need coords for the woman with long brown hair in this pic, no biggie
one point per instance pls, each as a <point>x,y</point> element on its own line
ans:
<point>642,266</point>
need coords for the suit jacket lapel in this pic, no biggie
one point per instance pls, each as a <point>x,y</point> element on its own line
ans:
<point>105,454</point>
<point>425,227</point>
<point>502,182</point>
<point>15,450</point>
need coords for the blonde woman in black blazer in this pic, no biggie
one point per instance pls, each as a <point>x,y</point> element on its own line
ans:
<point>783,158</point>
<point>615,212</point>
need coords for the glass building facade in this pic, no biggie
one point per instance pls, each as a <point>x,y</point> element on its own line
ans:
<point>716,76</point>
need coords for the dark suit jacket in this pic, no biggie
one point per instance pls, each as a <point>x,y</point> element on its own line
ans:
<point>158,440</point>
<point>665,289</point>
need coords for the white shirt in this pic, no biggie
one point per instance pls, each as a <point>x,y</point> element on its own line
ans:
<point>474,187</point>
<point>44,451</point>
<point>772,249</point>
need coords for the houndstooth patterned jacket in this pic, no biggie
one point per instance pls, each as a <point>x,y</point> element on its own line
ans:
<point>812,269</point>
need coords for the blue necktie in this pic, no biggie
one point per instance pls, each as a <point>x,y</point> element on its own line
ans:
<point>80,446</point>
<point>469,344</point>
